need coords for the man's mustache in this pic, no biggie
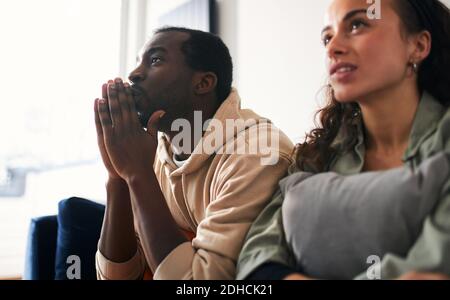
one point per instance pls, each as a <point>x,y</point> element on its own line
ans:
<point>138,91</point>
<point>146,106</point>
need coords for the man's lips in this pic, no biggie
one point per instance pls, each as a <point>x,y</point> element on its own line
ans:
<point>138,95</point>
<point>137,91</point>
<point>139,98</point>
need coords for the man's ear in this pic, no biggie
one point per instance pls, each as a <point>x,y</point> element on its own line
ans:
<point>421,46</point>
<point>204,82</point>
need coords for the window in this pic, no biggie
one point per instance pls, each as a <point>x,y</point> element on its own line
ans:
<point>55,55</point>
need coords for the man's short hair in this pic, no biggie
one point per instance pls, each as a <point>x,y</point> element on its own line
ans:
<point>207,52</point>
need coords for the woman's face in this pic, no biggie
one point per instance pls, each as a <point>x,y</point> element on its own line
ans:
<point>364,56</point>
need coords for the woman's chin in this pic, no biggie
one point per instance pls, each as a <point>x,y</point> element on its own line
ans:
<point>345,96</point>
<point>345,99</point>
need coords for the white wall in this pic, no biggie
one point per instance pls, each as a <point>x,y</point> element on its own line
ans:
<point>278,57</point>
<point>156,8</point>
<point>140,19</point>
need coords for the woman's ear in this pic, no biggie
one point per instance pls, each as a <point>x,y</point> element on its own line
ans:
<point>205,82</point>
<point>422,46</point>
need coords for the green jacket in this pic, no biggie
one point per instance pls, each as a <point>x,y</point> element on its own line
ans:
<point>430,134</point>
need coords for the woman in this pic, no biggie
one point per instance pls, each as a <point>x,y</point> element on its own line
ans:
<point>388,99</point>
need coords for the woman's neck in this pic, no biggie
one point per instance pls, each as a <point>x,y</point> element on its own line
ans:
<point>388,118</point>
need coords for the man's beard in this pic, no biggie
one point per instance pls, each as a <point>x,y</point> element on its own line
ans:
<point>143,119</point>
<point>144,113</point>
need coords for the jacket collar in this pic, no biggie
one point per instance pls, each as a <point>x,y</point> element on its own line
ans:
<point>428,116</point>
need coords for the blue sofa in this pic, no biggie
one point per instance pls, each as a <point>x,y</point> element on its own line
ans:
<point>52,239</point>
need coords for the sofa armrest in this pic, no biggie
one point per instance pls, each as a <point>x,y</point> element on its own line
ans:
<point>41,249</point>
<point>79,227</point>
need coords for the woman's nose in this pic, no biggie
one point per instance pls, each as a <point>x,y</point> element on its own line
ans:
<point>336,48</point>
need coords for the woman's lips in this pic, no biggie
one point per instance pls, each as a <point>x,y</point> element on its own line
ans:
<point>342,72</point>
<point>344,76</point>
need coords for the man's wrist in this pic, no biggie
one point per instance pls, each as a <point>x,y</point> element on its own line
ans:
<point>139,178</point>
<point>115,182</point>
<point>116,188</point>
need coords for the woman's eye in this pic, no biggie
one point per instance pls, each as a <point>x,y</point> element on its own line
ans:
<point>357,24</point>
<point>326,40</point>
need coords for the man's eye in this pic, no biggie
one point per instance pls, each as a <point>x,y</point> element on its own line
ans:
<point>155,60</point>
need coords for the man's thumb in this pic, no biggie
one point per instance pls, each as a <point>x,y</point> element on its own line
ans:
<point>152,125</point>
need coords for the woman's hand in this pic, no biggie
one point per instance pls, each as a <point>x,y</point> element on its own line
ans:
<point>423,276</point>
<point>296,276</point>
<point>407,276</point>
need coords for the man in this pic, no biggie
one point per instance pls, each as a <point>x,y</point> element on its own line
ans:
<point>173,208</point>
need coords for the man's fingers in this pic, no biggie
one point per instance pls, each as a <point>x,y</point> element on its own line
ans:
<point>131,106</point>
<point>123,103</point>
<point>152,125</point>
<point>98,124</point>
<point>114,107</point>
<point>105,89</point>
<point>105,117</point>
<point>105,100</point>
<point>155,117</point>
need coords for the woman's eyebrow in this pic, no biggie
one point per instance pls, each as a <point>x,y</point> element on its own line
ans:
<point>347,16</point>
<point>353,13</point>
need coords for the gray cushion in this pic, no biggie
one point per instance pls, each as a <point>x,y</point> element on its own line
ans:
<point>333,223</point>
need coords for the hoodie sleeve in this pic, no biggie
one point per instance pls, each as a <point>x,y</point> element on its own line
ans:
<point>242,188</point>
<point>129,270</point>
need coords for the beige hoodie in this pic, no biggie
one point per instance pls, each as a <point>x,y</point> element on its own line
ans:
<point>216,195</point>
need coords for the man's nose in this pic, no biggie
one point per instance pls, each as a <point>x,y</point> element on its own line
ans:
<point>137,75</point>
